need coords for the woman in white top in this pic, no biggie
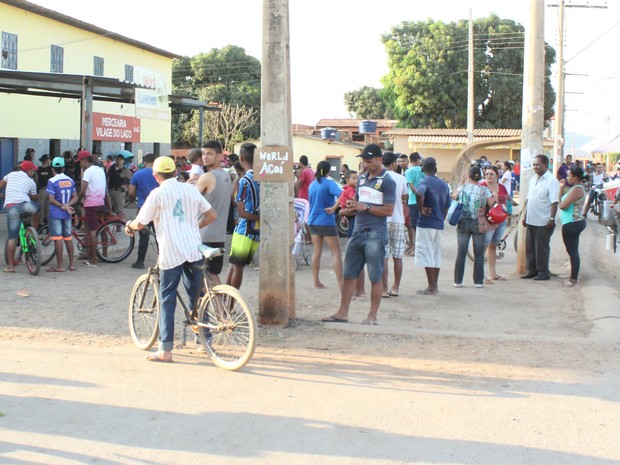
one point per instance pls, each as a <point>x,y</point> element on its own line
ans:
<point>506,179</point>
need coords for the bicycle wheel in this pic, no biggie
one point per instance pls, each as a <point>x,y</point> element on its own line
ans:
<point>48,248</point>
<point>113,245</point>
<point>232,340</point>
<point>342,224</point>
<point>144,312</point>
<point>32,257</point>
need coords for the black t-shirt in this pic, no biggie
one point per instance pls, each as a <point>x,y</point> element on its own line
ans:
<point>44,174</point>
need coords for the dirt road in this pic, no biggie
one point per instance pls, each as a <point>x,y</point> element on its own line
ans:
<point>515,373</point>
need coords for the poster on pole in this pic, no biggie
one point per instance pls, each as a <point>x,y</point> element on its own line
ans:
<point>273,163</point>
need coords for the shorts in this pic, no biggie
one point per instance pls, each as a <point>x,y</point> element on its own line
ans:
<point>396,240</point>
<point>494,236</point>
<point>242,250</point>
<point>428,248</point>
<point>365,247</point>
<point>319,230</point>
<point>414,212</point>
<point>215,265</point>
<point>14,213</point>
<point>90,217</point>
<point>60,229</point>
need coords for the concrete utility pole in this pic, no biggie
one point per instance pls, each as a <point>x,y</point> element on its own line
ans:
<point>470,84</point>
<point>533,109</point>
<point>273,168</point>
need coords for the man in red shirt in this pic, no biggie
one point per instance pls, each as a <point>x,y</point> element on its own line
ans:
<point>306,176</point>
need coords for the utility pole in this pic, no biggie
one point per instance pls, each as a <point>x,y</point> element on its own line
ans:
<point>533,109</point>
<point>558,139</point>
<point>273,168</point>
<point>470,84</point>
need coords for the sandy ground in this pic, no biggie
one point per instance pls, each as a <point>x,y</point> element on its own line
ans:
<point>519,372</point>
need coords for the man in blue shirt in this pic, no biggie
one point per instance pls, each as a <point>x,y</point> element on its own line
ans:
<point>142,183</point>
<point>433,199</point>
<point>374,202</point>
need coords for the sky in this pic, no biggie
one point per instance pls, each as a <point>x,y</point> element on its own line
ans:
<point>336,46</point>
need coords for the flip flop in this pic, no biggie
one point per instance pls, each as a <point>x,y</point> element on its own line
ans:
<point>9,270</point>
<point>71,268</point>
<point>90,265</point>
<point>425,292</point>
<point>392,293</point>
<point>568,283</point>
<point>488,281</point>
<point>386,295</point>
<point>55,270</point>
<point>368,322</point>
<point>157,357</point>
<point>333,319</point>
<point>499,278</point>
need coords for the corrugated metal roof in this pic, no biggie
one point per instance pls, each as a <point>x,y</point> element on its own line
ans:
<point>460,132</point>
<point>56,16</point>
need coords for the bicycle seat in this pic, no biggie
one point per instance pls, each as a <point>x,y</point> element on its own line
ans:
<point>210,252</point>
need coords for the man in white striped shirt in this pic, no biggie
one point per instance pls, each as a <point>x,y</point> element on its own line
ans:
<point>178,212</point>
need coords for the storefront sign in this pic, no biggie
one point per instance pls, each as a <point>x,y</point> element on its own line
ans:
<point>273,163</point>
<point>108,127</point>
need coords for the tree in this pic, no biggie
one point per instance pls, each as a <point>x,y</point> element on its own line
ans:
<point>427,82</point>
<point>227,76</point>
<point>367,103</point>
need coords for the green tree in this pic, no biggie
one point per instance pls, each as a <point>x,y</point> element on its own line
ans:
<point>227,76</point>
<point>427,82</point>
<point>367,103</point>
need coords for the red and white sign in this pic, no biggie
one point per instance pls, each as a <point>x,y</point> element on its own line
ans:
<point>116,128</point>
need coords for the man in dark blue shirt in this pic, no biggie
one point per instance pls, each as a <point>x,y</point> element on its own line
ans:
<point>374,202</point>
<point>433,199</point>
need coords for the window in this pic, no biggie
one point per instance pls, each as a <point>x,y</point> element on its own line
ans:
<point>98,66</point>
<point>9,50</point>
<point>57,56</point>
<point>129,73</point>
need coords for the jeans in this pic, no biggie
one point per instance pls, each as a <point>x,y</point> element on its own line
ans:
<point>143,240</point>
<point>468,227</point>
<point>537,249</point>
<point>13,216</point>
<point>365,247</point>
<point>168,283</point>
<point>570,236</point>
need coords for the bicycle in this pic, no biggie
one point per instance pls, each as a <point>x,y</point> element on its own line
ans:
<point>501,246</point>
<point>28,246</point>
<point>113,245</point>
<point>221,317</point>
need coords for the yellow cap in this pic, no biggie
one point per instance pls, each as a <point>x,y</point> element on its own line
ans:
<point>164,165</point>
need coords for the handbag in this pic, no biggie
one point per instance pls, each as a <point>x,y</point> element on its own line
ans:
<point>484,226</point>
<point>454,212</point>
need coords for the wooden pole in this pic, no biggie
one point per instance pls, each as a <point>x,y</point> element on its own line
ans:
<point>86,129</point>
<point>273,168</point>
<point>470,84</point>
<point>533,109</point>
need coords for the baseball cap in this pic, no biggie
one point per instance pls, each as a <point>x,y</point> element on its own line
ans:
<point>164,165</point>
<point>27,165</point>
<point>42,158</point>
<point>415,156</point>
<point>429,161</point>
<point>58,162</point>
<point>126,154</point>
<point>83,154</point>
<point>389,158</point>
<point>371,151</point>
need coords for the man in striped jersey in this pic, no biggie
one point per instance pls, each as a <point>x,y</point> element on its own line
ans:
<point>20,198</point>
<point>178,211</point>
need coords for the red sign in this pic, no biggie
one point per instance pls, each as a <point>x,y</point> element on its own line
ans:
<point>116,128</point>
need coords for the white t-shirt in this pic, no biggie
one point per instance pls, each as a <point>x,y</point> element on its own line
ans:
<point>196,171</point>
<point>19,187</point>
<point>542,193</point>
<point>95,194</point>
<point>175,209</point>
<point>398,216</point>
<point>506,181</point>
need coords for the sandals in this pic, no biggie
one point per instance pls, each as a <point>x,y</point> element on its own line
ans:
<point>368,322</point>
<point>569,283</point>
<point>159,356</point>
<point>90,265</point>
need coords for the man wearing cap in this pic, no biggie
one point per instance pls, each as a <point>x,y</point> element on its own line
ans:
<point>19,198</point>
<point>142,183</point>
<point>94,197</point>
<point>414,177</point>
<point>61,196</point>
<point>118,177</point>
<point>178,211</point>
<point>42,176</point>
<point>374,202</point>
<point>433,199</point>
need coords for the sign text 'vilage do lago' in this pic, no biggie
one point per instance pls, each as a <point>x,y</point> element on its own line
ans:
<point>274,163</point>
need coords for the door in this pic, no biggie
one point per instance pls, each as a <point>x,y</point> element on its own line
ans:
<point>7,160</point>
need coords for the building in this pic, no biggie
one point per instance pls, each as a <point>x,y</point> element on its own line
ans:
<point>59,50</point>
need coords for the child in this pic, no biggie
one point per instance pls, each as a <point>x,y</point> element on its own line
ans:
<point>196,170</point>
<point>348,193</point>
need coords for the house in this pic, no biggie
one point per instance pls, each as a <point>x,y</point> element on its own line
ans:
<point>445,144</point>
<point>59,51</point>
<point>356,130</point>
